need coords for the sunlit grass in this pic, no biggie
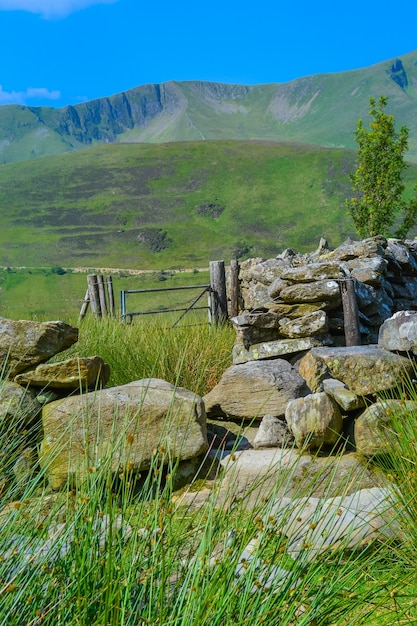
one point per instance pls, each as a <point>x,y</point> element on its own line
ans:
<point>125,550</point>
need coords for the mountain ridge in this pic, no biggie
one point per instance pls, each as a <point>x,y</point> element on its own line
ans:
<point>320,109</point>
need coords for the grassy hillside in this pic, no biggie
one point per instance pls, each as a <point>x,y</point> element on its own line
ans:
<point>171,205</point>
<point>320,109</point>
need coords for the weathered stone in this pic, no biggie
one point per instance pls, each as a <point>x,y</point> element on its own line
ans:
<point>246,268</point>
<point>364,369</point>
<point>373,428</point>
<point>325,270</point>
<point>267,270</point>
<point>397,250</point>
<point>273,433</point>
<point>381,307</point>
<point>292,311</point>
<point>305,326</point>
<point>321,290</point>
<point>313,370</point>
<point>399,332</point>
<point>346,522</point>
<point>24,344</point>
<point>376,263</point>
<point>407,291</point>
<point>344,397</point>
<point>255,295</point>
<point>276,287</point>
<point>252,390</point>
<point>367,276</point>
<point>280,347</point>
<point>370,247</point>
<point>314,421</point>
<point>77,373</point>
<point>18,407</point>
<point>253,474</point>
<point>365,294</point>
<point>122,426</point>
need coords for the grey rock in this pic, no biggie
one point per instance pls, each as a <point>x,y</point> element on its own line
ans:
<point>374,432</point>
<point>24,344</point>
<point>344,397</point>
<point>273,433</point>
<point>312,272</point>
<point>278,348</point>
<point>78,373</point>
<point>346,522</point>
<point>305,326</point>
<point>399,332</point>
<point>314,421</point>
<point>312,292</point>
<point>18,407</point>
<point>123,426</point>
<point>254,389</point>
<point>363,369</point>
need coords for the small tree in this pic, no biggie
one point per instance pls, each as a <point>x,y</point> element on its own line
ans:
<point>377,181</point>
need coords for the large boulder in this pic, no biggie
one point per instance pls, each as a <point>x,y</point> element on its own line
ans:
<point>122,426</point>
<point>363,369</point>
<point>24,344</point>
<point>255,389</point>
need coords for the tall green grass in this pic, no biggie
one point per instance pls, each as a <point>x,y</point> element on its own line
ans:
<point>122,550</point>
<point>193,356</point>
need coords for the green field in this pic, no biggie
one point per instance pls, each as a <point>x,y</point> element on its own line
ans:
<point>46,294</point>
<point>161,207</point>
<point>175,205</point>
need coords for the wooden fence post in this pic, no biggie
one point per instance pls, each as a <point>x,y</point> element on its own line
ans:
<point>84,305</point>
<point>350,311</point>
<point>234,288</point>
<point>93,294</point>
<point>110,295</point>
<point>102,294</point>
<point>218,292</point>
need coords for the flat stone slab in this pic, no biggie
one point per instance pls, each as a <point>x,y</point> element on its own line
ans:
<point>363,369</point>
<point>280,347</point>
<point>77,373</point>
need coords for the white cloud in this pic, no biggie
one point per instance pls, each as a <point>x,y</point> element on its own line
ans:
<point>31,93</point>
<point>49,8</point>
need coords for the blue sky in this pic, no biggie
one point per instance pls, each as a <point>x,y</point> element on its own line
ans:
<point>59,52</point>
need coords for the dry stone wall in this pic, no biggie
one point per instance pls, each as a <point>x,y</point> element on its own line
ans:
<point>293,302</point>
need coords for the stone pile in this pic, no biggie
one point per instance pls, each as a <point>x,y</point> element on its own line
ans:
<point>327,396</point>
<point>293,302</point>
<point>60,415</point>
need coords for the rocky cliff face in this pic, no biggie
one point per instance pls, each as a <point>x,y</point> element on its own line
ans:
<point>319,109</point>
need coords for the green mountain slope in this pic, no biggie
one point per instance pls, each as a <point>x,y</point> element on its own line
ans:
<point>320,109</point>
<point>173,204</point>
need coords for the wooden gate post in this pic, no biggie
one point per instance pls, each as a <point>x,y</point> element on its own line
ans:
<point>110,296</point>
<point>93,294</point>
<point>234,288</point>
<point>350,311</point>
<point>218,292</point>
<point>102,294</point>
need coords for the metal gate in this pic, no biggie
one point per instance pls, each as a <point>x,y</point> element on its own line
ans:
<point>194,305</point>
